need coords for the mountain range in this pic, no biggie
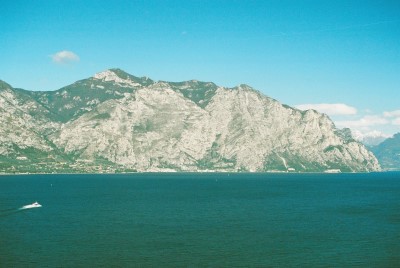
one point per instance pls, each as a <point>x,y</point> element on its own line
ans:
<point>388,153</point>
<point>117,122</point>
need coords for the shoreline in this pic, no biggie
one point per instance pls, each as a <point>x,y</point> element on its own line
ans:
<point>197,172</point>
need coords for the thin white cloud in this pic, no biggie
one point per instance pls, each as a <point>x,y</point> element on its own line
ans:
<point>64,57</point>
<point>396,121</point>
<point>395,113</point>
<point>378,125</point>
<point>394,116</point>
<point>364,122</point>
<point>330,108</point>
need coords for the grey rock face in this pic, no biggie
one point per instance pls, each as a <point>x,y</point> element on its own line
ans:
<point>119,121</point>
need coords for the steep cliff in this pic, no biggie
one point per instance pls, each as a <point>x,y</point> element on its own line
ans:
<point>119,121</point>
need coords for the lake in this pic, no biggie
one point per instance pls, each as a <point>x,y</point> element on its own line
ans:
<point>201,220</point>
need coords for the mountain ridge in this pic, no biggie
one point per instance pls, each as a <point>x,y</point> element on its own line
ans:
<point>114,121</point>
<point>388,152</point>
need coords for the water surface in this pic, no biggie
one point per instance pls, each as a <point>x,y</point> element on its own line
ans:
<point>180,220</point>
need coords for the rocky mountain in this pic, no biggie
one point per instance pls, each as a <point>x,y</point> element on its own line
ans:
<point>388,153</point>
<point>24,125</point>
<point>115,121</point>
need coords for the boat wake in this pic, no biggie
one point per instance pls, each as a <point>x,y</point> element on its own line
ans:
<point>10,211</point>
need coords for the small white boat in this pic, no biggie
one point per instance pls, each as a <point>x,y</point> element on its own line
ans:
<point>33,205</point>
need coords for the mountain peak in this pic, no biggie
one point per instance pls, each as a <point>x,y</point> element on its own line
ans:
<point>107,75</point>
<point>121,77</point>
<point>244,87</point>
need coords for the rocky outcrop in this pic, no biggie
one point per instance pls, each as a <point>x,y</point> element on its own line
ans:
<point>139,124</point>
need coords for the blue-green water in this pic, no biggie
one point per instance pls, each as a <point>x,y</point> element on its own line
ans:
<point>212,220</point>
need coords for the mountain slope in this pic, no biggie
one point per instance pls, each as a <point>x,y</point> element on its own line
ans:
<point>388,153</point>
<point>24,126</point>
<point>116,121</point>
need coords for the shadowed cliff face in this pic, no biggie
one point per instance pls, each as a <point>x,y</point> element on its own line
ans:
<point>119,121</point>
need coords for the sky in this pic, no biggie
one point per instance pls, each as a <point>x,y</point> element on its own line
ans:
<point>338,57</point>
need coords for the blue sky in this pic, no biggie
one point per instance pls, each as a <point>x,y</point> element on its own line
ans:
<point>343,56</point>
